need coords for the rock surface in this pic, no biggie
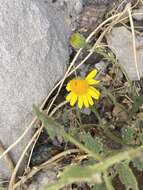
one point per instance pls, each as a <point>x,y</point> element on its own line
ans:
<point>43,178</point>
<point>121,43</point>
<point>33,56</point>
<point>99,2</point>
<point>138,14</point>
<point>70,9</point>
<point>91,17</point>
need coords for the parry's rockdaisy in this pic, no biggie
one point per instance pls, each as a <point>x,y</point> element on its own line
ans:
<point>82,90</point>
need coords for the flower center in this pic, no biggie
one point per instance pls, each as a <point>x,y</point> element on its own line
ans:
<point>79,86</point>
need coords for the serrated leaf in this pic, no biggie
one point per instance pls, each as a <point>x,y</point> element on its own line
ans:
<point>79,173</point>
<point>93,144</point>
<point>75,173</point>
<point>55,129</point>
<point>138,163</point>
<point>109,56</point>
<point>128,134</point>
<point>78,41</point>
<point>52,127</point>
<point>126,176</point>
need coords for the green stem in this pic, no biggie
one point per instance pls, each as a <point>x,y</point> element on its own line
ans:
<point>94,110</point>
<point>107,181</point>
<point>113,99</point>
<point>79,117</point>
<point>107,132</point>
<point>81,146</point>
<point>113,137</point>
<point>126,155</point>
<point>99,168</point>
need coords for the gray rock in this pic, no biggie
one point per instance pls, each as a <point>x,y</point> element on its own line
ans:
<point>33,56</point>
<point>138,14</point>
<point>120,42</point>
<point>99,2</point>
<point>43,178</point>
<point>71,9</point>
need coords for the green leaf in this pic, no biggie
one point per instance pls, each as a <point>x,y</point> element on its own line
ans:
<point>92,173</point>
<point>78,41</point>
<point>79,173</point>
<point>138,101</point>
<point>74,132</point>
<point>98,187</point>
<point>75,173</point>
<point>126,176</point>
<point>90,161</point>
<point>53,128</point>
<point>109,56</point>
<point>93,144</point>
<point>128,134</point>
<point>108,181</point>
<point>138,163</point>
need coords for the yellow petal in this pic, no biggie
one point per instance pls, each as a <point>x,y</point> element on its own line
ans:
<point>68,97</point>
<point>80,102</point>
<point>90,99</point>
<point>73,99</point>
<point>85,101</point>
<point>68,87</point>
<point>94,93</point>
<point>92,74</point>
<point>92,81</point>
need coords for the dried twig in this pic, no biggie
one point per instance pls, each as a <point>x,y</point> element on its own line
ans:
<point>7,158</point>
<point>134,40</point>
<point>45,165</point>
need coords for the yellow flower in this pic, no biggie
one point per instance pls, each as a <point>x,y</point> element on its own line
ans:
<point>82,90</point>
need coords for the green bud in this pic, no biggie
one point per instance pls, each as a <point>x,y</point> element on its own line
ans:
<point>78,41</point>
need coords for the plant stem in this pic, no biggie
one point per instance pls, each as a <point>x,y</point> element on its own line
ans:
<point>107,132</point>
<point>107,181</point>
<point>81,146</point>
<point>99,168</point>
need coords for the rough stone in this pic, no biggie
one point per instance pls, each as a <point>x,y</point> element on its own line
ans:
<point>33,56</point>
<point>121,43</point>
<point>138,14</point>
<point>99,2</point>
<point>43,178</point>
<point>70,9</point>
